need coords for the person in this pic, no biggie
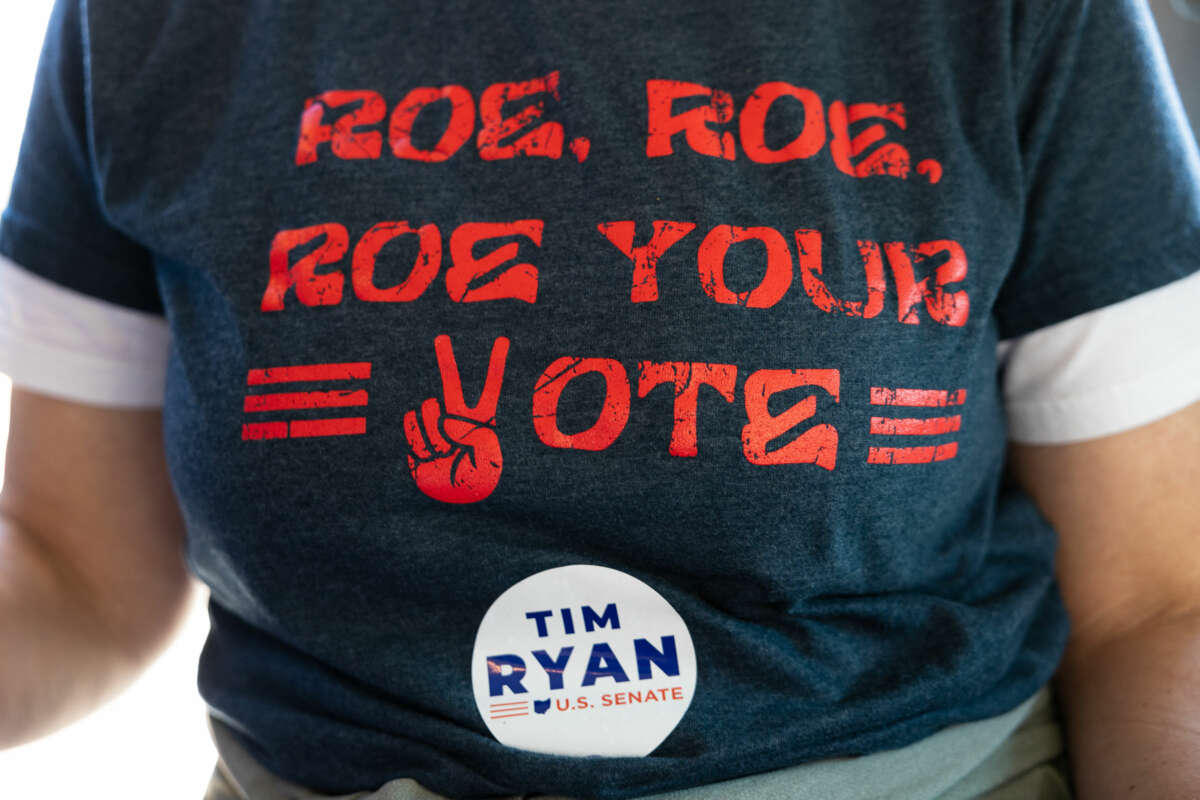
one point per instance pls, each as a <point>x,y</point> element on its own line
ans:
<point>613,401</point>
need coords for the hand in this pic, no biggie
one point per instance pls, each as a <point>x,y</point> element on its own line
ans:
<point>456,456</point>
<point>456,459</point>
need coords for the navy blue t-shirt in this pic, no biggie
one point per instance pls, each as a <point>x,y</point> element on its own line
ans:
<point>599,399</point>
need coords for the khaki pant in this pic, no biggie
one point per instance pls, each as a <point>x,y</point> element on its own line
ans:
<point>1016,756</point>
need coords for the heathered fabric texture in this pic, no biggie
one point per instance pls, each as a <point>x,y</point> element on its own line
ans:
<point>783,418</point>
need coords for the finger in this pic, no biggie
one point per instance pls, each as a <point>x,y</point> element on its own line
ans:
<point>451,381</point>
<point>485,409</point>
<point>431,413</point>
<point>416,440</point>
<point>452,390</point>
<point>459,429</point>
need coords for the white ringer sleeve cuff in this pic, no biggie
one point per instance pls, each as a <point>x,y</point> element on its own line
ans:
<point>1106,371</point>
<point>62,343</point>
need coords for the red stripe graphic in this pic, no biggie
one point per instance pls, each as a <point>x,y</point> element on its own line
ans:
<point>360,370</point>
<point>919,398</point>
<point>300,401</point>
<point>345,426</point>
<point>304,428</point>
<point>896,426</point>
<point>912,455</point>
<point>264,430</point>
<point>292,400</point>
<point>510,716</point>
<point>520,704</point>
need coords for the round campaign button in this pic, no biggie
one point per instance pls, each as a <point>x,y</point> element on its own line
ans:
<point>583,661</point>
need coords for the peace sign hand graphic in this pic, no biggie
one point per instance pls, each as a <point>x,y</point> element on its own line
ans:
<point>456,456</point>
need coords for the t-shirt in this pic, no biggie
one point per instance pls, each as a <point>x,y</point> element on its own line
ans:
<point>599,400</point>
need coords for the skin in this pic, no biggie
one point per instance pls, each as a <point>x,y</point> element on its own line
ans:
<point>93,584</point>
<point>92,577</point>
<point>1127,509</point>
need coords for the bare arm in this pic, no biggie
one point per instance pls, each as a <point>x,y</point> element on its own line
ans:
<point>1127,508</point>
<point>92,580</point>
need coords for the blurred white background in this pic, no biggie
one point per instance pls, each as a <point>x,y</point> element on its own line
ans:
<point>151,743</point>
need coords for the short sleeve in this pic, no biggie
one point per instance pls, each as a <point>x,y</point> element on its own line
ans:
<point>1105,371</point>
<point>55,225</point>
<point>80,313</point>
<point>1112,175</point>
<point>65,344</point>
